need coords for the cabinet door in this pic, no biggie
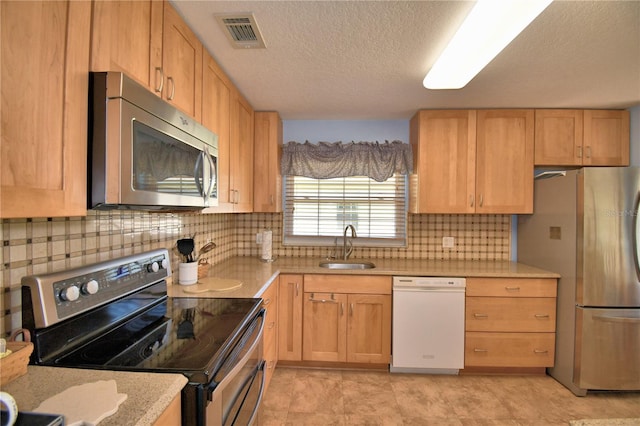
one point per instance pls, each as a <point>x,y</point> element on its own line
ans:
<point>504,161</point>
<point>559,137</point>
<point>444,146</point>
<point>181,64</point>
<point>369,328</point>
<point>267,181</point>
<point>290,317</point>
<point>127,36</point>
<point>324,327</point>
<point>216,99</point>
<point>241,170</point>
<point>606,138</point>
<point>270,341</point>
<point>44,91</point>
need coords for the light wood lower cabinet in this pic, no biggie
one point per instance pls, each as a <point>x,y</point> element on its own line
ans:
<point>509,349</point>
<point>510,322</point>
<point>172,415</point>
<point>290,317</point>
<point>270,339</point>
<point>347,318</point>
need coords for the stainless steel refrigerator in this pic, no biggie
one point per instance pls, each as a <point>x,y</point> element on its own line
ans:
<point>586,227</point>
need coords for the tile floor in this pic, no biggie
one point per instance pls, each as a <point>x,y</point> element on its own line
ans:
<point>298,396</point>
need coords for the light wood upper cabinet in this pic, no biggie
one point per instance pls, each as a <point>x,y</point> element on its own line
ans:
<point>468,161</point>
<point>444,157</point>
<point>181,64</point>
<point>581,137</point>
<point>150,42</point>
<point>267,181</point>
<point>230,116</point>
<point>504,161</point>
<point>559,137</point>
<point>290,293</point>
<point>241,154</point>
<point>44,91</point>
<point>606,138</point>
<point>216,101</point>
<point>127,36</point>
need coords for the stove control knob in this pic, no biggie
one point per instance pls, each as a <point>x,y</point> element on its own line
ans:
<point>70,294</point>
<point>153,267</point>
<point>90,287</point>
<point>164,263</point>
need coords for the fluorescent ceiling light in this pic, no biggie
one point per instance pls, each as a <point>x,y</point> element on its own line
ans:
<point>489,28</point>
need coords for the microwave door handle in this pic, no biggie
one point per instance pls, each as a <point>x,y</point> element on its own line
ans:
<point>212,174</point>
<point>195,173</point>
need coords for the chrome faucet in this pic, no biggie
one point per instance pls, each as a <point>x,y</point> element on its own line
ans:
<point>345,253</point>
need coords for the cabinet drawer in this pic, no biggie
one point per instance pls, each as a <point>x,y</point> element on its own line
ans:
<point>512,287</point>
<point>361,284</point>
<point>528,314</point>
<point>509,349</point>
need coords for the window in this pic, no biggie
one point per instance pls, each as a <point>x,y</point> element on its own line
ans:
<point>316,211</point>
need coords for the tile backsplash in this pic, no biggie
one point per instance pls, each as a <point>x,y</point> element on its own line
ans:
<point>41,245</point>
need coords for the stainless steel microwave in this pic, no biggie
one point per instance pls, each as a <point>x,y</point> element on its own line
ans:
<point>144,154</point>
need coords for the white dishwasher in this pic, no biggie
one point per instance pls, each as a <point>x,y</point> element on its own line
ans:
<point>428,325</point>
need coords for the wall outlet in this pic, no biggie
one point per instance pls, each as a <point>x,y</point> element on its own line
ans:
<point>448,242</point>
<point>259,238</point>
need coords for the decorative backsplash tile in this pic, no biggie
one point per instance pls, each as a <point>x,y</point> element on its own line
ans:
<point>40,245</point>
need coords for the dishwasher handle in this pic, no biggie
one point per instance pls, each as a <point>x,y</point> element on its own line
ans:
<point>429,289</point>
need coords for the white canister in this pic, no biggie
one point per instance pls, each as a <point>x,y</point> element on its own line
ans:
<point>188,273</point>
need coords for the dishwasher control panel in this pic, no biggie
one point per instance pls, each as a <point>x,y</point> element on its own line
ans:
<point>430,282</point>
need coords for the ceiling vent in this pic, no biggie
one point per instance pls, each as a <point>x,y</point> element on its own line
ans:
<point>241,30</point>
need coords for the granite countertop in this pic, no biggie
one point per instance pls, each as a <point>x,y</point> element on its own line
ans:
<point>256,275</point>
<point>148,394</point>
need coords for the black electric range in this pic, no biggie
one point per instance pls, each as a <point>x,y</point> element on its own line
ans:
<point>116,315</point>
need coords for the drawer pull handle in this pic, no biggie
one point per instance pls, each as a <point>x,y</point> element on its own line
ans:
<point>512,288</point>
<point>541,316</point>
<point>540,351</point>
<point>481,316</point>
<point>480,350</point>
<point>266,302</point>
<point>312,299</point>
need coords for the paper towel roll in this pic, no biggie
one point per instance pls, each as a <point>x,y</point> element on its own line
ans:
<point>267,237</point>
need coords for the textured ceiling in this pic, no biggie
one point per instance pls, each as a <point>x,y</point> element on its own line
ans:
<point>355,60</point>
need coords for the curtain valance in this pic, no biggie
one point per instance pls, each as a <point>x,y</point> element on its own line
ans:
<point>324,160</point>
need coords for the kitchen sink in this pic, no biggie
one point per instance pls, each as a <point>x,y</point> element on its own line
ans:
<point>345,264</point>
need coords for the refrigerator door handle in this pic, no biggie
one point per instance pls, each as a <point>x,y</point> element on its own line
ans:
<point>636,235</point>
<point>612,318</point>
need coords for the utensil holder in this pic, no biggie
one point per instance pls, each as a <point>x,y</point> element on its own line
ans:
<point>187,273</point>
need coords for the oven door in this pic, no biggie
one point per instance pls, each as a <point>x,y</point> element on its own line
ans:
<point>236,398</point>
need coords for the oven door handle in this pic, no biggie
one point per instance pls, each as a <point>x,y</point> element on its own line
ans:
<point>263,383</point>
<point>240,364</point>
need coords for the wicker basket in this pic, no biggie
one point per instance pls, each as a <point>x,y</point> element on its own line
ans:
<point>15,365</point>
<point>203,270</point>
